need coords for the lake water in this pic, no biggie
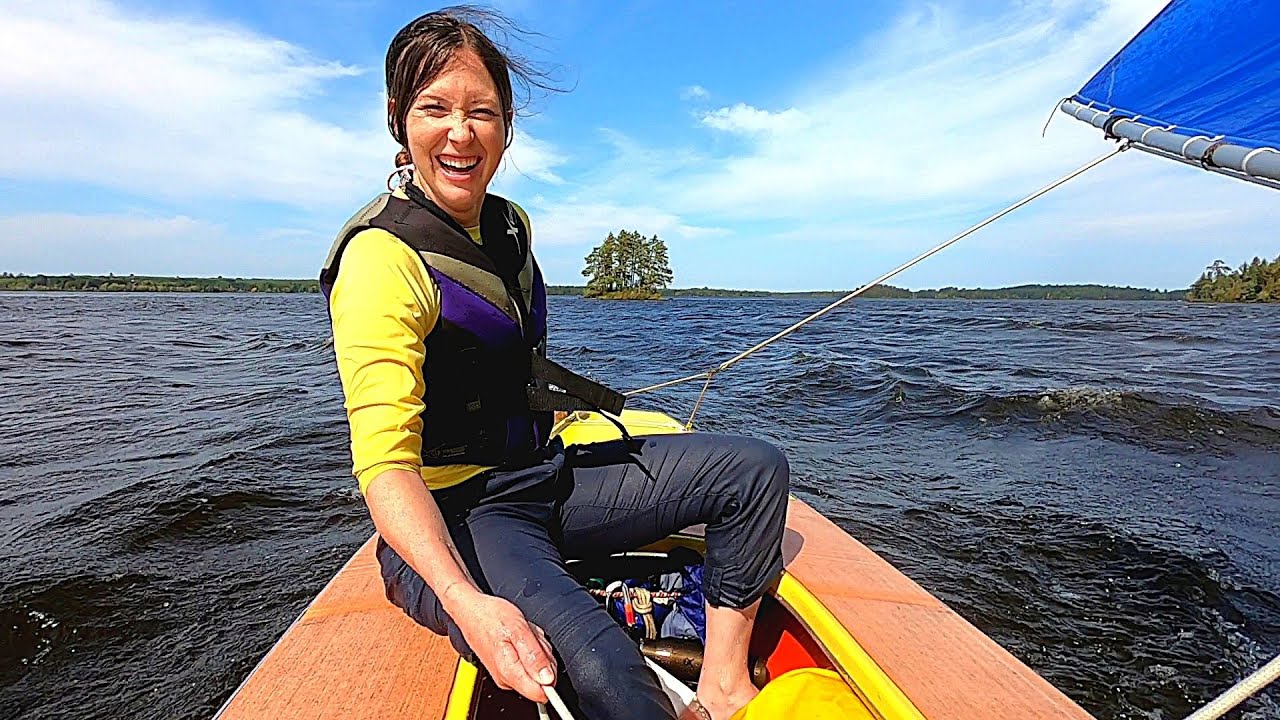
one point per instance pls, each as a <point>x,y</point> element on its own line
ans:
<point>1095,485</point>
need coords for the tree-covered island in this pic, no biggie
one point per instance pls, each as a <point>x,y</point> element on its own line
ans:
<point>1257,281</point>
<point>627,266</point>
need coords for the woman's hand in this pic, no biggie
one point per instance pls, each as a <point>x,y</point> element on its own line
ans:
<point>514,651</point>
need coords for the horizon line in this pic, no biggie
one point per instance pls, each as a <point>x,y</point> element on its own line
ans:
<point>570,286</point>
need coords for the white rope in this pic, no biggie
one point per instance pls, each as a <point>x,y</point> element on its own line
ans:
<point>709,374</point>
<point>556,703</point>
<point>1239,692</point>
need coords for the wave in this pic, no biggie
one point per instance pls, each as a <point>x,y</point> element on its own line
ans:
<point>1182,338</point>
<point>1055,588</point>
<point>1138,416</point>
<point>905,392</point>
<point>578,351</point>
<point>203,515</point>
<point>41,618</point>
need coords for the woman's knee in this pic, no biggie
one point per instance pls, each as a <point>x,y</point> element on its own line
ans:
<point>769,471</point>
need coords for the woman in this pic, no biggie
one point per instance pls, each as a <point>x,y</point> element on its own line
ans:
<point>437,308</point>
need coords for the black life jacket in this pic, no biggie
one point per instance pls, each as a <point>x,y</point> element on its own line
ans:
<point>490,389</point>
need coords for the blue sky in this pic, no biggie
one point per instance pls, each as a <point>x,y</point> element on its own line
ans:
<point>774,146</point>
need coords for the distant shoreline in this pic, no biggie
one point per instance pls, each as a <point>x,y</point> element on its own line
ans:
<point>147,283</point>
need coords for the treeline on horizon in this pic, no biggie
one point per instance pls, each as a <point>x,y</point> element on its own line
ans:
<point>153,283</point>
<point>149,283</point>
<point>889,292</point>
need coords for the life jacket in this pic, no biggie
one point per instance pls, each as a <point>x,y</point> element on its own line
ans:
<point>490,390</point>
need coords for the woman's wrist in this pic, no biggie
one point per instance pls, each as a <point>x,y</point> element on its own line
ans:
<point>458,597</point>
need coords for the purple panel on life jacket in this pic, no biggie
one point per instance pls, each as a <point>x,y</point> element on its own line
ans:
<point>464,308</point>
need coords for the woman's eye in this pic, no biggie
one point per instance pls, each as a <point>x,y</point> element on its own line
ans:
<point>432,108</point>
<point>484,114</point>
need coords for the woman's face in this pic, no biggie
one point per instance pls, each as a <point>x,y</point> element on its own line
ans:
<point>456,134</point>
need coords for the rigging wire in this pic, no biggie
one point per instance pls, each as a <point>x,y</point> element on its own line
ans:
<point>710,374</point>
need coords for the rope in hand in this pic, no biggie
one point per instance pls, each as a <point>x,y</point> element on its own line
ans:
<point>556,702</point>
<point>710,374</point>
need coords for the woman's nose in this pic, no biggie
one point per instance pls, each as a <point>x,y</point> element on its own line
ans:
<point>459,128</point>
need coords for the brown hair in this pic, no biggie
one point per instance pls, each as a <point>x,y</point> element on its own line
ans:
<point>423,48</point>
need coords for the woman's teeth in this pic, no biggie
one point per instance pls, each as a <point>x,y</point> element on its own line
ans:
<point>460,164</point>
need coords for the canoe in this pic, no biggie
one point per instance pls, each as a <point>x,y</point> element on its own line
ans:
<point>903,654</point>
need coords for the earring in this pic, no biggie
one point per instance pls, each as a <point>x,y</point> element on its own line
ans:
<point>403,173</point>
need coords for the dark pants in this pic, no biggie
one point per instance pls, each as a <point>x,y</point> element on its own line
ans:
<point>514,527</point>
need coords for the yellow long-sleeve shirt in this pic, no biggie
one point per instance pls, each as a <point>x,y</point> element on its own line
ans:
<point>383,306</point>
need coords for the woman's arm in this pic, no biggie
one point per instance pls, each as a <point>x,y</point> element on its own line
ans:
<point>383,305</point>
<point>514,652</point>
<point>409,521</point>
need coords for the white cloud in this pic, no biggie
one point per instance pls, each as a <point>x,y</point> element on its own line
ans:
<point>531,158</point>
<point>917,132</point>
<point>955,112</point>
<point>70,243</point>
<point>186,109</point>
<point>743,118</point>
<point>573,222</point>
<point>694,92</point>
<point>937,116</point>
<point>176,108</point>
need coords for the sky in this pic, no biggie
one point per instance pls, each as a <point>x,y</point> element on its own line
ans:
<point>778,146</point>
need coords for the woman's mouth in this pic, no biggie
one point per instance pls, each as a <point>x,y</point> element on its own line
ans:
<point>456,167</point>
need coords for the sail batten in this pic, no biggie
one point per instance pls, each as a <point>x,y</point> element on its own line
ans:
<point>1200,84</point>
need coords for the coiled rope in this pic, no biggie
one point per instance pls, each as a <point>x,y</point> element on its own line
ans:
<point>709,375</point>
<point>644,609</point>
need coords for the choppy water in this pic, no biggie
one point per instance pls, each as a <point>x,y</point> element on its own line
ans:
<point>1095,485</point>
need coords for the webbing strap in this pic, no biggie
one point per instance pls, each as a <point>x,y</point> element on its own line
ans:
<point>555,387</point>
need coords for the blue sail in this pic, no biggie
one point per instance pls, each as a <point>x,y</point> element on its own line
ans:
<point>1210,67</point>
<point>1200,84</point>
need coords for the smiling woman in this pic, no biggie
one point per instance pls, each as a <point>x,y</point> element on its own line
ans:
<point>439,324</point>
